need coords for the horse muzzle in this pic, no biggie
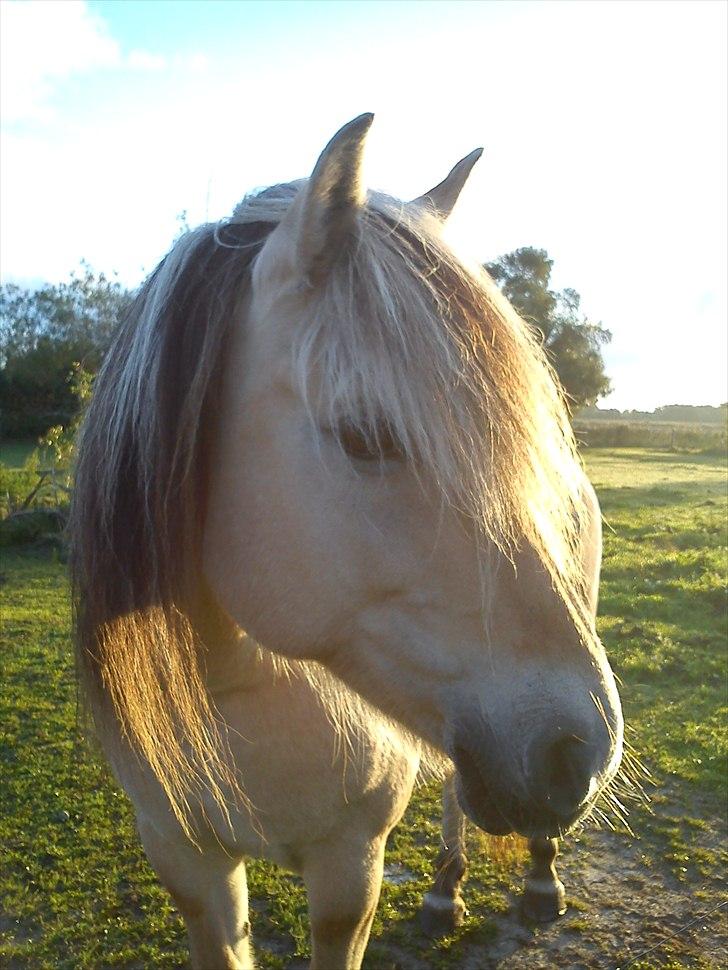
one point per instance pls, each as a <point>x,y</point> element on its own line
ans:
<point>543,790</point>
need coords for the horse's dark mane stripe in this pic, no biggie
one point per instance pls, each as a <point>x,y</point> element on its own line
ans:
<point>144,513</point>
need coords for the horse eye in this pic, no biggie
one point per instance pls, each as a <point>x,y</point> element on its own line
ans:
<point>378,445</point>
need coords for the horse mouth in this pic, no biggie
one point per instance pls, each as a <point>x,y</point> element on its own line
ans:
<point>498,813</point>
<point>475,797</point>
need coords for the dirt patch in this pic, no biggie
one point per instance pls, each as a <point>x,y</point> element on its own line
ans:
<point>623,911</point>
<point>655,901</point>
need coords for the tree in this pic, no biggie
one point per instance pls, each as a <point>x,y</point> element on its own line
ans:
<point>43,334</point>
<point>573,343</point>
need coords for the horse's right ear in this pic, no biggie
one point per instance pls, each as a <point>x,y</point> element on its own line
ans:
<point>323,219</point>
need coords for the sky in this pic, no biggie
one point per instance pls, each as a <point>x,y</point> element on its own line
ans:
<point>604,126</point>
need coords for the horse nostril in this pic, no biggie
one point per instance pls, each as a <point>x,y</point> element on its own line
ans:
<point>566,774</point>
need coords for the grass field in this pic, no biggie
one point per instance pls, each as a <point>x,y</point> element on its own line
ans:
<point>75,890</point>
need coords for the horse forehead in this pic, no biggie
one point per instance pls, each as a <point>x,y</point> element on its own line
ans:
<point>278,297</point>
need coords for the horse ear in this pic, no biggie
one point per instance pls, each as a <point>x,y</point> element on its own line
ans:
<point>441,200</point>
<point>324,219</point>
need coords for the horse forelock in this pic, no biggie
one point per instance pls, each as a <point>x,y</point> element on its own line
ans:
<point>404,332</point>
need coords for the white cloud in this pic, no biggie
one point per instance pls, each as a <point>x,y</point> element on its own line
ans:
<point>46,42</point>
<point>193,62</point>
<point>140,60</point>
<point>43,43</point>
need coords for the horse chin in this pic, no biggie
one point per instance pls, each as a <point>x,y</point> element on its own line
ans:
<point>476,801</point>
<point>482,810</point>
<point>496,813</point>
<point>486,816</point>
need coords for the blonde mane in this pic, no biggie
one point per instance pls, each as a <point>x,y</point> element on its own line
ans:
<point>402,333</point>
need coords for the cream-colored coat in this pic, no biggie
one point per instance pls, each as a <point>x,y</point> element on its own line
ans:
<point>327,778</point>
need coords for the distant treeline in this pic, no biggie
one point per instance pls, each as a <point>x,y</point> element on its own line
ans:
<point>44,334</point>
<point>703,437</point>
<point>673,413</point>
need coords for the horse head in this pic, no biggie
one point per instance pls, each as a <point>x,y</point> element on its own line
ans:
<point>394,492</point>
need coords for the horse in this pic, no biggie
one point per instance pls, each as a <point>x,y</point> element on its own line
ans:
<point>327,521</point>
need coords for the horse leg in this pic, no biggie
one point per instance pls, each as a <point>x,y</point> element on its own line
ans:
<point>544,898</point>
<point>343,879</point>
<point>443,908</point>
<point>211,892</point>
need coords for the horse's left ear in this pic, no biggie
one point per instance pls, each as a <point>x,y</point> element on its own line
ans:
<point>324,220</point>
<point>441,200</point>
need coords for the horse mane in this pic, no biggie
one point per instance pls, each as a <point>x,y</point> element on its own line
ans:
<point>401,329</point>
<point>138,507</point>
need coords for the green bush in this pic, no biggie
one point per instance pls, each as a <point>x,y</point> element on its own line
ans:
<point>33,525</point>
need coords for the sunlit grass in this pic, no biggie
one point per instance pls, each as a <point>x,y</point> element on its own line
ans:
<point>76,891</point>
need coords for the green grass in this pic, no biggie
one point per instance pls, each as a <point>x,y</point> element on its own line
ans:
<point>76,891</point>
<point>663,604</point>
<point>75,888</point>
